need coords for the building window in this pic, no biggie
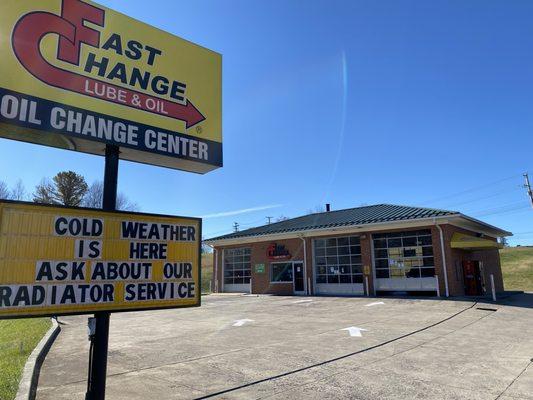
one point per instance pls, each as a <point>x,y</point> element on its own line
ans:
<point>338,260</point>
<point>404,254</point>
<point>281,272</point>
<point>237,266</point>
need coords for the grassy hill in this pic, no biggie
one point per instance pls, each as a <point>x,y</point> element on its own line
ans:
<point>517,268</point>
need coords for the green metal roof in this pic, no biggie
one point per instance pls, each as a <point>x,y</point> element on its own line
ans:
<point>366,215</point>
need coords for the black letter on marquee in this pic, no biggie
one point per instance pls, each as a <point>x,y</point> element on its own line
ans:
<point>130,294</point>
<point>94,247</point>
<point>45,270</point>
<point>59,221</point>
<point>77,270</point>
<point>22,296</point>
<point>129,230</point>
<point>5,294</point>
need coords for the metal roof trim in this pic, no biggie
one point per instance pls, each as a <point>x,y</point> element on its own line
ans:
<point>415,222</point>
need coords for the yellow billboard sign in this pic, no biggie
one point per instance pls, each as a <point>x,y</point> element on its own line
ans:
<point>61,260</point>
<point>75,74</point>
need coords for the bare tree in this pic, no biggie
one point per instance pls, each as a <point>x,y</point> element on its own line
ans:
<point>4,191</point>
<point>94,196</point>
<point>43,192</point>
<point>206,249</point>
<point>19,191</point>
<point>316,209</point>
<point>125,204</point>
<point>282,218</point>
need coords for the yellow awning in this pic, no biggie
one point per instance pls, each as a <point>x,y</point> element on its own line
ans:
<point>464,241</point>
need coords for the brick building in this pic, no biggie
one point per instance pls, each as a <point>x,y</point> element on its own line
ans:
<point>371,249</point>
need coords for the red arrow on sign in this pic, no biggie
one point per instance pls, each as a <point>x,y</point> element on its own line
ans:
<point>27,36</point>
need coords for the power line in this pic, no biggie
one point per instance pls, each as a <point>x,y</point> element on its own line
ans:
<point>509,212</point>
<point>496,194</point>
<point>498,208</point>
<point>474,189</point>
<point>501,210</point>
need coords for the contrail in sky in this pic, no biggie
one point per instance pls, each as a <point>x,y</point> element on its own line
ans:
<point>344,65</point>
<point>241,211</point>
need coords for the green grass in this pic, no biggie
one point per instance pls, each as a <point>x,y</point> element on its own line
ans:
<point>18,337</point>
<point>517,268</point>
<point>207,271</point>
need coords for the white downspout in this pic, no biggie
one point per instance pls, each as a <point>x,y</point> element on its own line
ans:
<point>307,289</point>
<point>215,267</point>
<point>443,252</point>
<point>216,270</point>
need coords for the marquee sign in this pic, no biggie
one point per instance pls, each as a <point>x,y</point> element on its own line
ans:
<point>62,260</point>
<point>77,75</point>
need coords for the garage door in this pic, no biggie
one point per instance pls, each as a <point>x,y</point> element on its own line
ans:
<point>404,261</point>
<point>338,266</point>
<point>237,270</point>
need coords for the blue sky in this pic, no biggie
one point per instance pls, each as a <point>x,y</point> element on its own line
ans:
<point>424,103</point>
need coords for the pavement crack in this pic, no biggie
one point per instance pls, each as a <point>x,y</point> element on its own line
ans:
<point>389,357</point>
<point>337,358</point>
<point>515,379</point>
<point>158,366</point>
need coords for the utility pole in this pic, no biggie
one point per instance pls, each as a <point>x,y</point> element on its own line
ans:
<point>528,187</point>
<point>269,218</point>
<point>236,227</point>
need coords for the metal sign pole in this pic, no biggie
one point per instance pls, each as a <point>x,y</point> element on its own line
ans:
<point>98,356</point>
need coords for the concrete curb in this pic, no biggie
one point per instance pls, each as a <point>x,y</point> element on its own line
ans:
<point>30,376</point>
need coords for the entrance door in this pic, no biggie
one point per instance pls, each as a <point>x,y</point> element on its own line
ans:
<point>299,278</point>
<point>472,276</point>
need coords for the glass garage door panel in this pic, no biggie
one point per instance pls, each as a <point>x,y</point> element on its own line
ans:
<point>237,269</point>
<point>404,261</point>
<point>338,265</point>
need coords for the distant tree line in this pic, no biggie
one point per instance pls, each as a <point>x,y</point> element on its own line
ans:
<point>66,188</point>
<point>18,192</point>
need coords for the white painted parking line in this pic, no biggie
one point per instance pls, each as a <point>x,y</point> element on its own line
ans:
<point>302,301</point>
<point>377,303</point>
<point>354,331</point>
<point>241,322</point>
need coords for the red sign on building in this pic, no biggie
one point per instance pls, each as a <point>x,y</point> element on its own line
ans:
<point>278,252</point>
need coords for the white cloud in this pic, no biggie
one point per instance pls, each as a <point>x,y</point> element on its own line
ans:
<point>241,211</point>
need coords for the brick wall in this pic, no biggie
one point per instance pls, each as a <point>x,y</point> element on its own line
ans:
<point>261,281</point>
<point>366,258</point>
<point>454,257</point>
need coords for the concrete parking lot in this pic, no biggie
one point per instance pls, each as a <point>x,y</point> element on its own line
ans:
<point>247,347</point>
